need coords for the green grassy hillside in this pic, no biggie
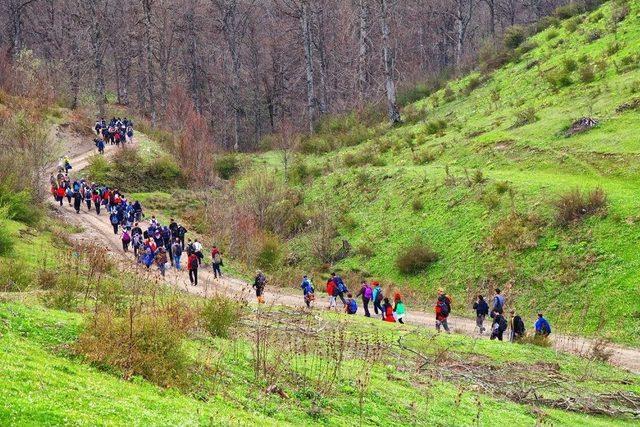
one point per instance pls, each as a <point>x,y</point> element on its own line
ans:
<point>490,150</point>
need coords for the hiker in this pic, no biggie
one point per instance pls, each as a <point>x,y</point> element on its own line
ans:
<point>350,306</point>
<point>447,298</point>
<point>377,296</point>
<point>498,302</point>
<point>216,262</point>
<point>137,210</point>
<point>542,326</point>
<point>387,311</point>
<point>67,165</point>
<point>307,291</point>
<point>161,260</point>
<point>192,265</point>
<point>176,253</point>
<point>398,309</point>
<point>148,256</point>
<point>97,201</point>
<point>100,145</point>
<point>60,193</point>
<point>516,326</point>
<point>367,293</point>
<point>482,311</point>
<point>259,283</point>
<point>181,233</point>
<point>197,249</point>
<point>331,291</point>
<point>69,194</point>
<point>126,239</point>
<point>341,288</point>
<point>77,201</point>
<point>498,326</point>
<point>113,218</point>
<point>442,313</point>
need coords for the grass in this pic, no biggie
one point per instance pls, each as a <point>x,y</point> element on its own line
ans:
<point>575,275</point>
<point>39,377</point>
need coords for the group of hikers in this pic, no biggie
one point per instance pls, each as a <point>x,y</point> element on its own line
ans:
<point>164,246</point>
<point>372,293</point>
<point>115,132</point>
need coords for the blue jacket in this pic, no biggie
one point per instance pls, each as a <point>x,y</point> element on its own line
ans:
<point>307,287</point>
<point>542,326</point>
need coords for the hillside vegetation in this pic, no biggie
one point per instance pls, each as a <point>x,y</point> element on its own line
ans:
<point>488,178</point>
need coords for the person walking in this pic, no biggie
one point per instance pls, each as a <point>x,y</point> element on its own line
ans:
<point>498,302</point>
<point>115,222</point>
<point>126,239</point>
<point>192,265</point>
<point>331,291</point>
<point>442,313</point>
<point>197,249</point>
<point>482,311</point>
<point>367,293</point>
<point>216,262</point>
<point>498,326</point>
<point>398,310</point>
<point>341,288</point>
<point>307,291</point>
<point>542,326</point>
<point>516,326</point>
<point>176,253</point>
<point>161,261</point>
<point>77,201</point>
<point>377,296</point>
<point>259,284</point>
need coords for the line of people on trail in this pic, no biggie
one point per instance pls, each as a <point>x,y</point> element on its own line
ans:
<point>369,293</point>
<point>117,131</point>
<point>499,324</point>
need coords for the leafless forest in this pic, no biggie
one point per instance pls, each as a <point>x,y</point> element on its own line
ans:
<point>252,67</point>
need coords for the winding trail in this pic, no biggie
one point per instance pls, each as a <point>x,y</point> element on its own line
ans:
<point>97,229</point>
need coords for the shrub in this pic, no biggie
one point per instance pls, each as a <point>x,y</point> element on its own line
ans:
<point>572,24</point>
<point>146,345</point>
<point>417,204</point>
<point>552,34</point>
<point>525,47</point>
<point>558,78</point>
<point>525,117</point>
<point>219,314</point>
<point>270,253</point>
<point>364,157</point>
<point>619,13</point>
<point>613,48</point>
<point>568,11</point>
<point>596,17</point>
<point>514,36</point>
<point>502,187</point>
<point>423,156</point>
<point>593,35</point>
<point>18,205</point>
<point>473,84</point>
<point>163,171</point>
<point>448,94</point>
<point>478,177</point>
<point>435,126</point>
<point>587,73</point>
<point>546,22</point>
<point>227,166</point>
<point>492,56</point>
<point>415,258</point>
<point>569,65</point>
<point>409,95</point>
<point>6,242</point>
<point>534,339</point>
<point>98,169</point>
<point>15,276</point>
<point>574,206</point>
<point>515,232</point>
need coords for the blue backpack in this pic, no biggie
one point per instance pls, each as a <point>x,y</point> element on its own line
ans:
<point>340,286</point>
<point>352,308</point>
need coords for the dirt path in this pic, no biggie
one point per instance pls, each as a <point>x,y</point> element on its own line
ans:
<point>98,230</point>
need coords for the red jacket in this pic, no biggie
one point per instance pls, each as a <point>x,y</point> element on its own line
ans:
<point>331,287</point>
<point>192,262</point>
<point>388,313</point>
<point>439,315</point>
<point>60,192</point>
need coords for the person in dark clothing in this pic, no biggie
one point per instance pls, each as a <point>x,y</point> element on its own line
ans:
<point>542,326</point>
<point>367,293</point>
<point>498,302</point>
<point>377,296</point>
<point>341,288</point>
<point>498,326</point>
<point>259,283</point>
<point>192,265</point>
<point>77,201</point>
<point>113,218</point>
<point>482,311</point>
<point>181,233</point>
<point>517,327</point>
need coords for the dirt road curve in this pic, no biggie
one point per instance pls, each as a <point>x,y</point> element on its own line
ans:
<point>98,230</point>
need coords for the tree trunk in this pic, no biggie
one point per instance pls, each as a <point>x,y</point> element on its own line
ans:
<point>363,50</point>
<point>390,86</point>
<point>308,57</point>
<point>146,7</point>
<point>323,103</point>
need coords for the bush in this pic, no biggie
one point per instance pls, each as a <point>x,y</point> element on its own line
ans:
<point>613,48</point>
<point>448,95</point>
<point>515,232</point>
<point>98,169</point>
<point>525,47</point>
<point>568,11</point>
<point>435,126</point>
<point>417,204</point>
<point>270,253</point>
<point>415,258</point>
<point>619,13</point>
<point>569,65</point>
<point>572,24</point>
<point>525,117</point>
<point>587,73</point>
<point>546,22</point>
<point>558,78</point>
<point>534,339</point>
<point>514,36</point>
<point>149,346</point>
<point>219,314</point>
<point>19,205</point>
<point>492,56</point>
<point>574,206</point>
<point>227,166</point>
<point>473,84</point>
<point>6,242</point>
<point>593,35</point>
<point>423,156</point>
<point>15,276</point>
<point>552,34</point>
<point>409,95</point>
<point>163,172</point>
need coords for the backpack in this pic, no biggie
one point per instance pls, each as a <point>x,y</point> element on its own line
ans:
<point>114,219</point>
<point>444,308</point>
<point>368,293</point>
<point>352,307</point>
<point>502,322</point>
<point>340,286</point>
<point>125,237</point>
<point>217,258</point>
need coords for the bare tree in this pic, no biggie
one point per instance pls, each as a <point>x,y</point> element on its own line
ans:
<point>390,85</point>
<point>364,42</point>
